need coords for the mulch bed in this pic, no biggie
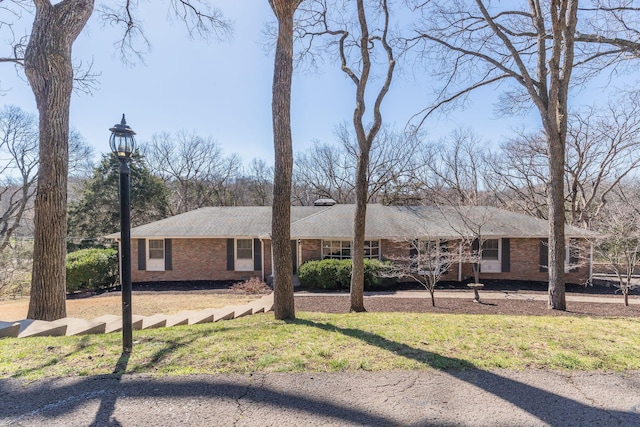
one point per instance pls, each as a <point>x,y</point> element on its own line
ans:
<point>341,304</point>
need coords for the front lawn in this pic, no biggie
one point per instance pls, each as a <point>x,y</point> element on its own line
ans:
<point>317,342</point>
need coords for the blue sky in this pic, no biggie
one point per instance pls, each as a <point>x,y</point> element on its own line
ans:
<point>223,90</point>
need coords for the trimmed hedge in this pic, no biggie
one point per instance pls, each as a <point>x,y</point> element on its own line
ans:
<point>91,269</point>
<point>333,274</point>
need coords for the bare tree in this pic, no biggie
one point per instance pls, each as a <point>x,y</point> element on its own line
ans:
<point>427,263</point>
<point>325,171</point>
<point>453,170</point>
<point>255,186</point>
<point>518,174</point>
<point>328,171</point>
<point>49,69</point>
<point>284,307</point>
<point>361,35</point>
<point>601,151</point>
<point>18,168</point>
<point>618,245</point>
<point>470,223</point>
<point>477,43</point>
<point>195,169</point>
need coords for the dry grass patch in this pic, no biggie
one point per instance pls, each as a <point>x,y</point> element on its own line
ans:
<point>144,304</point>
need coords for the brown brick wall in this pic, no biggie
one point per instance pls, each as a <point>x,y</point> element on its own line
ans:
<point>193,259</point>
<point>206,259</point>
<point>525,265</point>
<point>311,250</point>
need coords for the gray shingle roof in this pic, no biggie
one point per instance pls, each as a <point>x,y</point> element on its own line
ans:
<point>315,222</point>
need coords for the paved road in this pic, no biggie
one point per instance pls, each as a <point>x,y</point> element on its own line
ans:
<point>427,398</point>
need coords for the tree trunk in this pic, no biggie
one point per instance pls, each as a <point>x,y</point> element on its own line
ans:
<point>564,19</point>
<point>281,211</point>
<point>557,300</point>
<point>49,69</point>
<point>359,220</point>
<point>625,291</point>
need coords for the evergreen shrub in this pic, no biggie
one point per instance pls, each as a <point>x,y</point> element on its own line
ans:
<point>91,269</point>
<point>333,274</point>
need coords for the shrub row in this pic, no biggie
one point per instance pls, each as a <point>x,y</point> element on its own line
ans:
<point>91,269</point>
<point>333,274</point>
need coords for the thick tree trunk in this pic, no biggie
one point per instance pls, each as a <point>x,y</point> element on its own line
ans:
<point>281,211</point>
<point>359,221</point>
<point>50,72</point>
<point>564,19</point>
<point>557,300</point>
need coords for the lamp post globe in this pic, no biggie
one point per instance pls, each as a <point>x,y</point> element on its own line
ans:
<point>123,144</point>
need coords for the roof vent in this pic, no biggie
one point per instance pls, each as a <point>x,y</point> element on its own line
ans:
<point>324,202</point>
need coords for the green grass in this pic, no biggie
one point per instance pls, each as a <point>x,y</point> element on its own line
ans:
<point>339,342</point>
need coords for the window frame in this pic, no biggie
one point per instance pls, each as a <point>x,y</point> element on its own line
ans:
<point>342,249</point>
<point>492,265</point>
<point>243,264</point>
<point>155,263</point>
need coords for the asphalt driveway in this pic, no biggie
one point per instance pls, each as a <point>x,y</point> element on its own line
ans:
<point>424,398</point>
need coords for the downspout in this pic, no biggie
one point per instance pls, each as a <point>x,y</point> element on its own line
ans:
<point>271,246</point>
<point>262,263</point>
<point>590,263</point>
<point>460,262</point>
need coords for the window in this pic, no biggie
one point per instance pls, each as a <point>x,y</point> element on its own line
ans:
<point>432,256</point>
<point>156,249</point>
<point>491,258</point>
<point>372,249</point>
<point>490,250</point>
<point>336,249</point>
<point>245,249</point>
<point>155,255</point>
<point>244,255</point>
<point>341,249</point>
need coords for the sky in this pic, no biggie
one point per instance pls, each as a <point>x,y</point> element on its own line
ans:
<point>223,90</point>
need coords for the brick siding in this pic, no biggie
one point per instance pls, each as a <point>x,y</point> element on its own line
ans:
<point>206,259</point>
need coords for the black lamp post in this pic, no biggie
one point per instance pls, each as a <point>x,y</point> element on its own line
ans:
<point>122,145</point>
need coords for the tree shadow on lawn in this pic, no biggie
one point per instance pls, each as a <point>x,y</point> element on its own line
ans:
<point>51,400</point>
<point>552,408</point>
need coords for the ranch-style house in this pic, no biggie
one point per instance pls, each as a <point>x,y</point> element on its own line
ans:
<point>234,242</point>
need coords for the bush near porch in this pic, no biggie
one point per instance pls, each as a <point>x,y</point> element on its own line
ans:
<point>333,274</point>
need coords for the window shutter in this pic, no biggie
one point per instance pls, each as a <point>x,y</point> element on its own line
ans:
<point>142,254</point>
<point>230,254</point>
<point>506,256</point>
<point>257,255</point>
<point>294,256</point>
<point>168,263</point>
<point>544,255</point>
<point>574,256</point>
